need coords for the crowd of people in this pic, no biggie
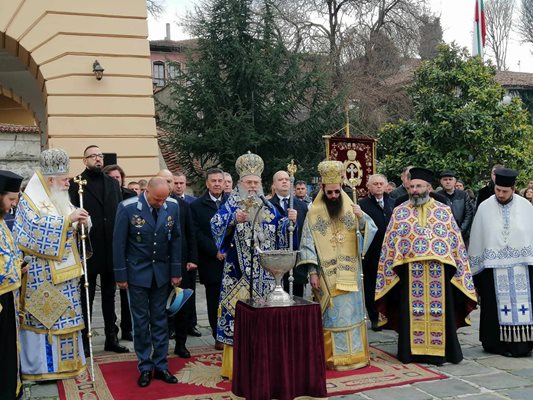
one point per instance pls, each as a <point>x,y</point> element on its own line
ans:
<point>427,257</point>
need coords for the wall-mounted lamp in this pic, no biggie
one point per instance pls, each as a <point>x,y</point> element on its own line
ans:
<point>98,70</point>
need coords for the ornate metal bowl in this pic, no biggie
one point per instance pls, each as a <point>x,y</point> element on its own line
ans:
<point>278,263</point>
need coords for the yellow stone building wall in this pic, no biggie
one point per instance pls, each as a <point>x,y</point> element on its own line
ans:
<point>58,41</point>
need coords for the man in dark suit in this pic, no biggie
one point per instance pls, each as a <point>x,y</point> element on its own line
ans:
<point>210,260</point>
<point>147,256</point>
<point>101,196</point>
<point>458,201</point>
<point>378,205</point>
<point>180,185</point>
<point>402,190</point>
<point>281,200</point>
<point>487,191</point>
<point>184,321</point>
<point>116,172</point>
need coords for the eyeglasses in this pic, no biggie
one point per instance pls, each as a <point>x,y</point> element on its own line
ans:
<point>95,156</point>
<point>330,192</point>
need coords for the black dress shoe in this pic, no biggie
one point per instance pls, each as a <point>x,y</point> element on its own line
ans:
<point>144,379</point>
<point>115,347</point>
<point>194,332</point>
<point>181,351</point>
<point>165,376</point>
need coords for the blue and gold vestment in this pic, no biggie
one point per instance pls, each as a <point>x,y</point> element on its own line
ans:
<point>52,319</point>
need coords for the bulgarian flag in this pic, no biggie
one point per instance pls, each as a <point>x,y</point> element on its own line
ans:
<point>480,31</point>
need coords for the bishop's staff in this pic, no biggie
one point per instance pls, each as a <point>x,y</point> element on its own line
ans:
<point>354,182</point>
<point>82,182</point>
<point>291,168</point>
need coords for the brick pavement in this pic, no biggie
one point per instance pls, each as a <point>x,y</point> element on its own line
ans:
<point>480,376</point>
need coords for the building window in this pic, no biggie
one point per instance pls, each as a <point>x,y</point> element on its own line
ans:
<point>158,74</point>
<point>173,70</point>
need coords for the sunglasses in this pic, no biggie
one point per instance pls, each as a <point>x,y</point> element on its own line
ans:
<point>330,192</point>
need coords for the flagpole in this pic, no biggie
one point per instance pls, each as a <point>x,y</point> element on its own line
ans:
<point>479,26</point>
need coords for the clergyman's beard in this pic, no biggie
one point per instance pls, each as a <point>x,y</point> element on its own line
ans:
<point>244,193</point>
<point>95,169</point>
<point>419,199</point>
<point>61,200</point>
<point>333,206</point>
<point>504,202</point>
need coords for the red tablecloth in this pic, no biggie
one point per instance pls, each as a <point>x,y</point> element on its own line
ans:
<point>278,352</point>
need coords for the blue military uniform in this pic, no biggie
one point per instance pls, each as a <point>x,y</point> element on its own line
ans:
<point>146,254</point>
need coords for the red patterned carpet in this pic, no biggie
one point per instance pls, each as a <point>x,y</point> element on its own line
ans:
<point>116,378</point>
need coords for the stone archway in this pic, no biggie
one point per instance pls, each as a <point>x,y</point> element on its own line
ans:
<point>51,47</point>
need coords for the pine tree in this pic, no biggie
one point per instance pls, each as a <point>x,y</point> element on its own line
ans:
<point>242,90</point>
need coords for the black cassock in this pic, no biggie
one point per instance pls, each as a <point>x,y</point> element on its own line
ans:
<point>9,365</point>
<point>489,326</point>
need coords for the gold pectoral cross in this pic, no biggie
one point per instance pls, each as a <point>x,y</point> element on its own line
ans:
<point>248,203</point>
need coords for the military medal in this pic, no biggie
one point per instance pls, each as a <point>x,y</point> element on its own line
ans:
<point>137,221</point>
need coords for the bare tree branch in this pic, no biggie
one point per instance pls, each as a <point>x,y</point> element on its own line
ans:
<point>155,7</point>
<point>499,19</point>
<point>525,21</point>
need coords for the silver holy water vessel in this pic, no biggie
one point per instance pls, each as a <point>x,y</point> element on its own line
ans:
<point>278,263</point>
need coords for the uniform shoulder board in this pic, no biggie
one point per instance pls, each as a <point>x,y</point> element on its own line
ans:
<point>171,200</point>
<point>129,201</point>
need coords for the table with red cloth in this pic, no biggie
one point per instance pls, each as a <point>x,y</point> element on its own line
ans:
<point>278,352</point>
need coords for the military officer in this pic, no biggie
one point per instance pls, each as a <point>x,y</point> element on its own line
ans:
<point>147,255</point>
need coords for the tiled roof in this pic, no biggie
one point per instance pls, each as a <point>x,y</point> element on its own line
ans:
<point>168,155</point>
<point>512,80</point>
<point>508,79</point>
<point>173,45</point>
<point>12,128</point>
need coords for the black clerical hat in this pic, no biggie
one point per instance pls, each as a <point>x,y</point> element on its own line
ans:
<point>9,181</point>
<point>422,173</point>
<point>447,174</point>
<point>505,177</point>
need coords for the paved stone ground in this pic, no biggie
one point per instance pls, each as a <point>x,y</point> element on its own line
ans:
<point>480,376</point>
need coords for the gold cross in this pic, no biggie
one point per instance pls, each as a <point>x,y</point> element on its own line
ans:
<point>248,203</point>
<point>292,168</point>
<point>81,183</point>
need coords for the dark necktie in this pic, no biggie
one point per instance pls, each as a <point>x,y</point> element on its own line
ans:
<point>285,204</point>
<point>217,202</point>
<point>381,204</point>
<point>155,212</point>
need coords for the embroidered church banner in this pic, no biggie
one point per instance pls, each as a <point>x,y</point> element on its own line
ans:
<point>358,156</point>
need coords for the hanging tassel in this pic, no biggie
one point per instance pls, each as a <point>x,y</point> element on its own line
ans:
<point>49,337</point>
<point>501,334</point>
